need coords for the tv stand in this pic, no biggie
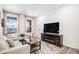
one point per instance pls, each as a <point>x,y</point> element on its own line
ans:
<point>55,39</point>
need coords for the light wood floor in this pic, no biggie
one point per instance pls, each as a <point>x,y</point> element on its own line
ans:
<point>47,48</point>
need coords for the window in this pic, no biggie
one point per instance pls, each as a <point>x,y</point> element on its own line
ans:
<point>11,25</point>
<point>29,25</point>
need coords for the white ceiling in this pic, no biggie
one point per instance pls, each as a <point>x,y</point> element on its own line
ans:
<point>30,9</point>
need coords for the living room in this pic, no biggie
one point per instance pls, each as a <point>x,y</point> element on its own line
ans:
<point>24,23</point>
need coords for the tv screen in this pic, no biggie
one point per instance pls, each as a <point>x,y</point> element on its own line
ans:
<point>51,27</point>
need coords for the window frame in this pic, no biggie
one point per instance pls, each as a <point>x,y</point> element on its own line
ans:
<point>6,14</point>
<point>30,20</point>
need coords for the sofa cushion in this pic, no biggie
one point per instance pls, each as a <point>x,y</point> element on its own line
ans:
<point>3,47</point>
<point>10,42</point>
<point>14,43</point>
<point>17,43</point>
<point>3,43</point>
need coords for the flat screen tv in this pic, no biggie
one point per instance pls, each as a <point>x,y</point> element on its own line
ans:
<point>51,27</point>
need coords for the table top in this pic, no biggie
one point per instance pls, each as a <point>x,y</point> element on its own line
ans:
<point>34,41</point>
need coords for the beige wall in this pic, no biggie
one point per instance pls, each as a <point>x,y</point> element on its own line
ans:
<point>34,27</point>
<point>22,20</point>
<point>68,16</point>
<point>21,23</point>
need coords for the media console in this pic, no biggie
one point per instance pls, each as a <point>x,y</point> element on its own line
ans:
<point>55,39</point>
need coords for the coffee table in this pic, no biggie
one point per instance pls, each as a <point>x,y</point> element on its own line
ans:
<point>34,46</point>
